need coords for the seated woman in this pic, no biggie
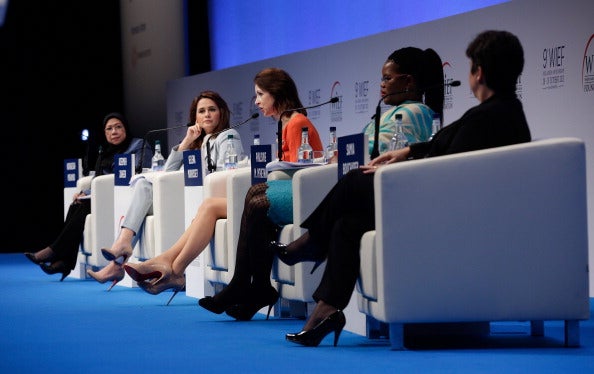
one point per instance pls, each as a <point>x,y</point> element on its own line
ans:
<point>266,210</point>
<point>336,226</point>
<point>209,114</point>
<point>275,93</point>
<point>62,253</point>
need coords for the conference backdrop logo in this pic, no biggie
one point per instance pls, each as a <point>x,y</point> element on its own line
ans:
<point>336,108</point>
<point>361,96</point>
<point>520,87</point>
<point>236,112</point>
<point>448,99</point>
<point>587,66</point>
<point>552,67</point>
<point>313,98</point>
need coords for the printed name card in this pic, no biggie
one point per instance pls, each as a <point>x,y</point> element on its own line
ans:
<point>71,172</point>
<point>352,153</point>
<point>260,156</point>
<point>123,169</point>
<point>192,168</point>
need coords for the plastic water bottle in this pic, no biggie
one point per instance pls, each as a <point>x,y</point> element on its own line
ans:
<point>435,125</point>
<point>332,147</point>
<point>158,161</point>
<point>230,154</point>
<point>398,140</point>
<point>305,152</point>
<point>256,139</point>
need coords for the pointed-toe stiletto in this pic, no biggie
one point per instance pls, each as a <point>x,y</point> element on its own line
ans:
<point>228,297</point>
<point>209,303</point>
<point>120,255</point>
<point>42,256</point>
<point>293,257</point>
<point>245,312</point>
<point>111,273</point>
<point>312,338</point>
<point>145,271</point>
<point>56,267</point>
<point>176,283</point>
<point>32,258</point>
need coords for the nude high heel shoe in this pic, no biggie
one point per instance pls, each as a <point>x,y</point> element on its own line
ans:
<point>113,272</point>
<point>120,255</point>
<point>144,271</point>
<point>168,280</point>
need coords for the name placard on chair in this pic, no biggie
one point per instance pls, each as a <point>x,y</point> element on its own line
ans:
<point>260,156</point>
<point>123,169</point>
<point>352,153</point>
<point>72,170</point>
<point>192,168</point>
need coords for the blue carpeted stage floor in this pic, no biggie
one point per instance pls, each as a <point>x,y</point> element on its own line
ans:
<point>76,326</point>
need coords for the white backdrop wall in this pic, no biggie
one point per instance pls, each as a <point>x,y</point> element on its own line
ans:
<point>556,87</point>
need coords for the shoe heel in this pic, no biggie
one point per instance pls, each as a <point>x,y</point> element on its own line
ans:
<point>316,265</point>
<point>113,283</point>
<point>269,309</point>
<point>64,275</point>
<point>337,335</point>
<point>174,293</point>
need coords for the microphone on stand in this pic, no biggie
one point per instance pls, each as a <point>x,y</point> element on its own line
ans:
<point>377,115</point>
<point>280,122</point>
<point>211,165</point>
<point>139,162</point>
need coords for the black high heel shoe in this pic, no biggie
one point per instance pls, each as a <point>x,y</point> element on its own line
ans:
<point>40,257</point>
<point>312,338</point>
<point>245,312</point>
<point>308,253</point>
<point>56,267</point>
<point>223,300</point>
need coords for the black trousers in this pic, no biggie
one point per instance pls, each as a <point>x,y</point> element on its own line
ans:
<point>67,243</point>
<point>336,227</point>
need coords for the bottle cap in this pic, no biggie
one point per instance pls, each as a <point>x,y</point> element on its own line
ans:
<point>332,128</point>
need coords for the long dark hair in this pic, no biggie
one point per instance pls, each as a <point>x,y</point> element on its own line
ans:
<point>282,87</point>
<point>224,121</point>
<point>427,69</point>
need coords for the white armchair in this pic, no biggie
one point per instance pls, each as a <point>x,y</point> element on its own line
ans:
<point>99,224</point>
<point>165,224</point>
<point>491,235</point>
<point>295,283</point>
<point>220,255</point>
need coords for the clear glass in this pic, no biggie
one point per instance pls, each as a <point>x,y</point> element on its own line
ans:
<point>230,154</point>
<point>398,140</point>
<point>435,125</point>
<point>304,153</point>
<point>332,147</point>
<point>158,161</point>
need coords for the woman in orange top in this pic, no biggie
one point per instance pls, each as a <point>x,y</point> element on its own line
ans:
<point>268,206</point>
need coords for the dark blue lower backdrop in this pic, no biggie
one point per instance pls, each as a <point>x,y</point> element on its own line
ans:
<point>76,326</point>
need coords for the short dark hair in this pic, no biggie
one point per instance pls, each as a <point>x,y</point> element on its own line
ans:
<point>501,57</point>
